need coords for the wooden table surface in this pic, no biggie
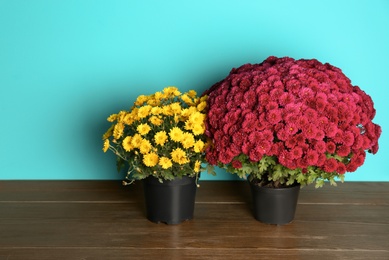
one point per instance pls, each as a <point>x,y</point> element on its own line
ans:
<point>104,220</point>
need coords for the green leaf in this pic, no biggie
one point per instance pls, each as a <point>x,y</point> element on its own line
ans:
<point>262,165</point>
<point>319,183</point>
<point>278,172</point>
<point>210,169</point>
<point>137,176</point>
<point>247,169</point>
<point>119,164</point>
<point>301,178</point>
<point>332,181</point>
<point>291,180</point>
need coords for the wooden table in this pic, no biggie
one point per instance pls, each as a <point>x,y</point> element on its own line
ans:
<point>104,220</point>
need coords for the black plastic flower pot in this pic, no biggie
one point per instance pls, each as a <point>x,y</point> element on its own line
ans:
<point>274,205</point>
<point>170,202</point>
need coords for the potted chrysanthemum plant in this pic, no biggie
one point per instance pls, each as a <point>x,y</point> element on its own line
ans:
<point>161,141</point>
<point>286,123</point>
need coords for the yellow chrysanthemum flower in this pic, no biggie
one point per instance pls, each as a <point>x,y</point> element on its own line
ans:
<point>143,129</point>
<point>176,108</point>
<point>160,138</point>
<point>128,119</point>
<point>187,99</point>
<point>176,119</point>
<point>176,93</point>
<point>188,125</point>
<point>121,116</point>
<point>141,99</point>
<point>134,113</point>
<point>158,95</point>
<point>127,143</point>
<point>198,146</point>
<point>112,118</point>
<point>155,120</point>
<point>187,140</point>
<point>156,111</point>
<point>201,106</point>
<point>109,132</point>
<point>153,102</point>
<point>197,166</point>
<point>198,129</point>
<point>171,91</point>
<point>197,118</point>
<point>145,146</point>
<point>183,160</point>
<point>192,93</point>
<point>165,163</point>
<point>150,159</point>
<point>106,145</point>
<point>136,140</point>
<point>176,134</point>
<point>192,110</point>
<point>167,111</point>
<point>144,111</point>
<point>118,130</point>
<point>185,113</point>
<point>179,156</point>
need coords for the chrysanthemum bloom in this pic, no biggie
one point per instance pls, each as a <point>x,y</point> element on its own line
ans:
<point>144,111</point>
<point>156,111</point>
<point>179,156</point>
<point>145,146</point>
<point>160,138</point>
<point>143,129</point>
<point>118,130</point>
<point>187,140</point>
<point>165,163</point>
<point>197,118</point>
<point>198,146</point>
<point>106,145</point>
<point>150,160</point>
<point>198,129</point>
<point>127,145</point>
<point>176,134</point>
<point>176,108</point>
<point>155,120</point>
<point>141,99</point>
<point>201,106</point>
<point>197,166</point>
<point>136,140</point>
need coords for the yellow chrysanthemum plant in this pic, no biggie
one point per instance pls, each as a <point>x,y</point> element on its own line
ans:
<point>162,135</point>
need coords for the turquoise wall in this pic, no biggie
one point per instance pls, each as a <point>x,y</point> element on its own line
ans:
<point>66,65</point>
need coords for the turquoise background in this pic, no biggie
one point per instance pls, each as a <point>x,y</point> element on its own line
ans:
<point>66,65</point>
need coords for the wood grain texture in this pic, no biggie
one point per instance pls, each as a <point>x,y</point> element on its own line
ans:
<point>104,220</point>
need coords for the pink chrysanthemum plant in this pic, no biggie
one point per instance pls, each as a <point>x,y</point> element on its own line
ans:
<point>162,135</point>
<point>284,122</point>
